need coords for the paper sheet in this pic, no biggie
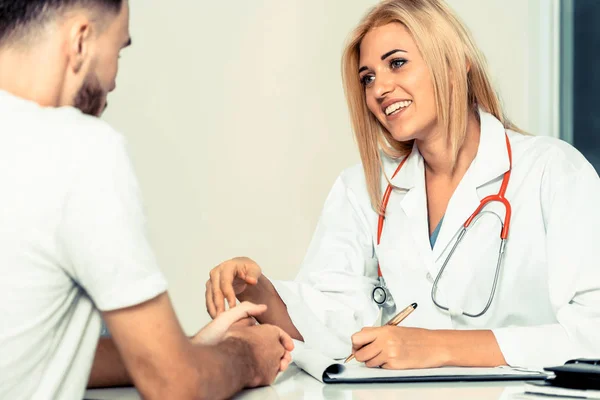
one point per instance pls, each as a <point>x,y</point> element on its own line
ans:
<point>321,367</point>
<point>549,390</point>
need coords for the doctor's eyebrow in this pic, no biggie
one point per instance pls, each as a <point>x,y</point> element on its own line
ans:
<point>383,57</point>
<point>389,53</point>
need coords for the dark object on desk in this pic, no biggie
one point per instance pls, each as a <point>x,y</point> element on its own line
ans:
<point>582,373</point>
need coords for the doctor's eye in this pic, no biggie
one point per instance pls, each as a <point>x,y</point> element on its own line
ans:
<point>367,79</point>
<point>397,63</point>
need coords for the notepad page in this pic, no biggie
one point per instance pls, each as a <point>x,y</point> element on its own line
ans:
<point>360,371</point>
<point>317,365</point>
<point>542,389</point>
<point>311,361</point>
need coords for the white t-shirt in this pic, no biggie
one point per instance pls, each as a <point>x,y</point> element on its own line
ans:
<point>72,242</point>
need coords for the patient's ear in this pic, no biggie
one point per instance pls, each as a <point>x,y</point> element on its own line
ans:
<point>79,42</point>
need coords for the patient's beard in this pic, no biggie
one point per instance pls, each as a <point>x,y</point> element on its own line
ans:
<point>91,99</point>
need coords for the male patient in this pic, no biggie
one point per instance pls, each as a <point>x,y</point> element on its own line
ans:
<point>73,246</point>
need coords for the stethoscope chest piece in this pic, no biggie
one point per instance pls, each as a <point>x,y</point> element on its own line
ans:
<point>382,296</point>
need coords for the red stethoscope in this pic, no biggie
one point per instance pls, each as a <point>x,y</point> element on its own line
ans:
<point>381,294</point>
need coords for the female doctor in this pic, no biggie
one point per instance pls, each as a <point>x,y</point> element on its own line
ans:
<point>519,286</point>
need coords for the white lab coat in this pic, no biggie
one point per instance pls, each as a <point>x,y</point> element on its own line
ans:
<point>547,304</point>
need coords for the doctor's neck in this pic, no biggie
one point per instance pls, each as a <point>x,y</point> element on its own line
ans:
<point>437,153</point>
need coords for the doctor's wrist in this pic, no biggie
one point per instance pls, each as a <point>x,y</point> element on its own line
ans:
<point>257,294</point>
<point>469,348</point>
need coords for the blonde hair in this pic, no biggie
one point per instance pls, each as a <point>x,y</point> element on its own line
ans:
<point>445,45</point>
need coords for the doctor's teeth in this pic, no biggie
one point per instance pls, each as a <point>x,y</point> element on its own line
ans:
<point>396,106</point>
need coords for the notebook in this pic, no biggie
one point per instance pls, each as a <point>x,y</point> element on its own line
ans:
<point>327,370</point>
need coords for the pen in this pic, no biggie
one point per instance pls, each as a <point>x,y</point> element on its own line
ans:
<point>394,321</point>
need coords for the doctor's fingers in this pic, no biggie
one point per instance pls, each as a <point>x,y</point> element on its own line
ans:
<point>210,306</point>
<point>217,294</point>
<point>245,268</point>
<point>368,352</point>
<point>250,272</point>
<point>227,276</point>
<point>364,336</point>
<point>378,360</point>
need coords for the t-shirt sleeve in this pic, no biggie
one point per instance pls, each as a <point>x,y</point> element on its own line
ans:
<point>103,231</point>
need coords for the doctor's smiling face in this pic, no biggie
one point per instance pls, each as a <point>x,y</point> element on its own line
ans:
<point>397,82</point>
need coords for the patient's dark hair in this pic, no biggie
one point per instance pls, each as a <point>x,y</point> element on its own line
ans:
<point>18,18</point>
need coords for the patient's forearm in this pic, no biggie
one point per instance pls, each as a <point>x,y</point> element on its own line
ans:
<point>264,293</point>
<point>108,369</point>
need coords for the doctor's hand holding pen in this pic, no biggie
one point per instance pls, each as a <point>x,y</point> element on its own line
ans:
<point>242,278</point>
<point>395,347</point>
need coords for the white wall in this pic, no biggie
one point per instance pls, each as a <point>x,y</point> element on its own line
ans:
<point>519,39</point>
<point>238,126</point>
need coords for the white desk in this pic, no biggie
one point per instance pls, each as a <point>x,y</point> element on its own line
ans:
<point>294,384</point>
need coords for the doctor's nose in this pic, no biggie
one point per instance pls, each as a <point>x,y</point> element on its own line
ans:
<point>383,87</point>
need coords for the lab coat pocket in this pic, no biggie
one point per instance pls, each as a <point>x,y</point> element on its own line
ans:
<point>393,260</point>
<point>404,274</point>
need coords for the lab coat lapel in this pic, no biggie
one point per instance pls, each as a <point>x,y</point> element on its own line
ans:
<point>492,159</point>
<point>490,164</point>
<point>414,203</point>
<point>462,204</point>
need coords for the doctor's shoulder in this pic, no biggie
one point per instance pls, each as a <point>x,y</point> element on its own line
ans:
<point>353,180</point>
<point>353,177</point>
<point>558,159</point>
